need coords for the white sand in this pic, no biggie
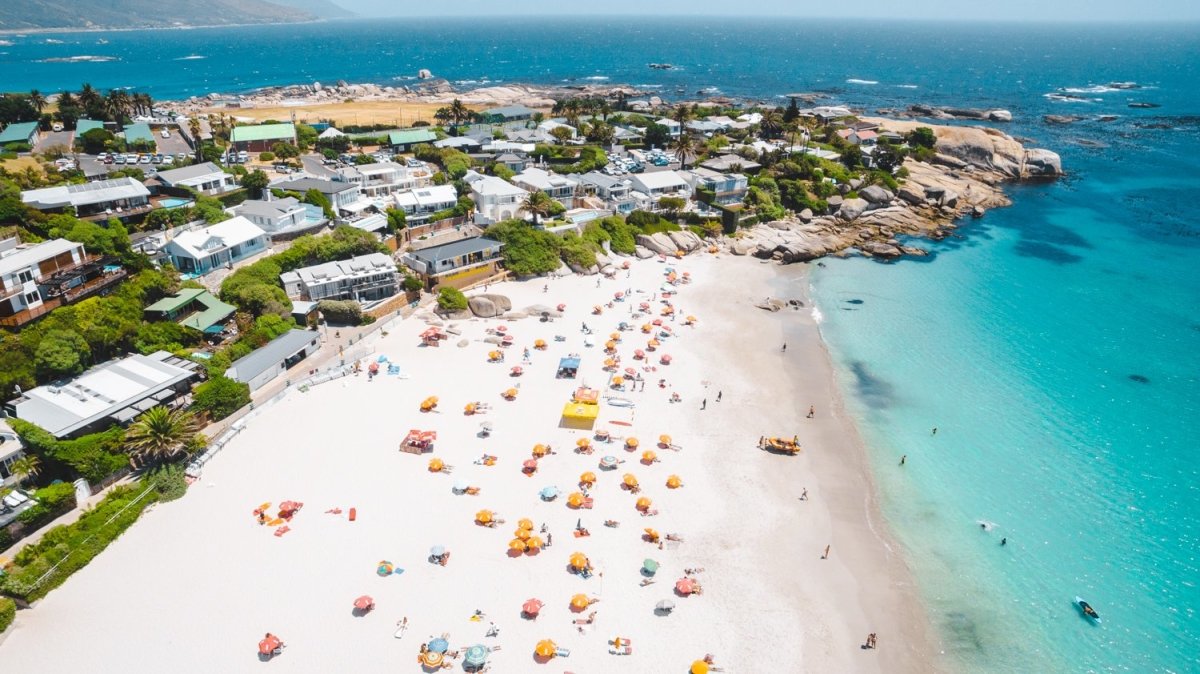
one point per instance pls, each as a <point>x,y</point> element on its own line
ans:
<point>194,585</point>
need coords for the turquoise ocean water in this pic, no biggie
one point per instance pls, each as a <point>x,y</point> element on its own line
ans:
<point>1054,344</point>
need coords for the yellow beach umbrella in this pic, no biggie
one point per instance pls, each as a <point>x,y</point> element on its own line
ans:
<point>535,543</point>
<point>631,442</point>
<point>579,560</point>
<point>630,480</point>
<point>525,523</point>
<point>588,478</point>
<point>699,667</point>
<point>470,408</point>
<point>582,442</point>
<point>664,440</point>
<point>649,456</point>
<point>484,516</point>
<point>674,482</point>
<point>647,328</point>
<point>539,343</point>
<point>618,380</point>
<point>575,499</point>
<point>643,503</point>
<point>580,602</point>
<point>516,544</point>
<point>540,450</point>
<point>522,534</point>
<point>510,393</point>
<point>545,648</point>
<point>610,345</point>
<point>436,465</point>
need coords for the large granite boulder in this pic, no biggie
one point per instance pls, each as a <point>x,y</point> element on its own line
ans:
<point>852,208</point>
<point>875,195</point>
<point>643,252</point>
<point>488,305</point>
<point>881,249</point>
<point>742,246</point>
<point>835,202</point>
<point>658,243</point>
<point>911,194</point>
<point>686,240</point>
<point>999,115</point>
<point>1042,163</point>
<point>806,215</point>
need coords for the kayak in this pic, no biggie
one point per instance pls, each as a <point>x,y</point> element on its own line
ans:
<point>1088,611</point>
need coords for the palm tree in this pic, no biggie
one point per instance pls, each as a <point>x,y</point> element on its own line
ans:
<point>160,434</point>
<point>89,98</point>
<point>536,203</point>
<point>459,113</point>
<point>67,100</point>
<point>194,128</point>
<point>772,123</point>
<point>685,146</point>
<point>26,467</point>
<point>37,100</point>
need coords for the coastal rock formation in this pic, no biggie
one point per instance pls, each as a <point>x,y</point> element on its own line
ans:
<point>852,208</point>
<point>489,305</point>
<point>658,243</point>
<point>934,112</point>
<point>875,195</point>
<point>988,150</point>
<point>686,240</point>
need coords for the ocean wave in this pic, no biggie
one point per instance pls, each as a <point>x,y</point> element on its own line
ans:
<point>906,86</point>
<point>1095,89</point>
<point>79,59</point>
<point>648,86</point>
<point>853,80</point>
<point>191,57</point>
<point>817,316</point>
<point>597,78</point>
<point>1069,98</point>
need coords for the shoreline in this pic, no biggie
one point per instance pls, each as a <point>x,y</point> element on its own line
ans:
<point>101,29</point>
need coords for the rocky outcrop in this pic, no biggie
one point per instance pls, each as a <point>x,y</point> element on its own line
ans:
<point>912,195</point>
<point>659,243</point>
<point>686,240</point>
<point>1041,163</point>
<point>985,149</point>
<point>934,112</point>
<point>489,305</point>
<point>852,208</point>
<point>875,195</point>
<point>643,252</point>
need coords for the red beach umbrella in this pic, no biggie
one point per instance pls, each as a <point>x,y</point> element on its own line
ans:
<point>364,603</point>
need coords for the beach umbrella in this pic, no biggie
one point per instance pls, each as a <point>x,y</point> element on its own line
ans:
<point>643,503</point>
<point>539,343</point>
<point>432,659</point>
<point>597,309</point>
<point>610,345</point>
<point>575,499</point>
<point>525,523</point>
<point>562,307</point>
<point>674,482</point>
<point>665,360</point>
<point>484,516</point>
<point>631,442</point>
<point>549,493</point>
<point>649,457</point>
<point>587,478</point>
<point>651,535</point>
<point>665,606</point>
<point>656,322</point>
<point>690,320</point>
<point>540,450</point>
<point>522,534</point>
<point>439,645</point>
<point>268,645</point>
<point>476,655</point>
<point>638,354</point>
<point>501,328</point>
<point>437,550</point>
<point>618,295</point>
<point>580,602</point>
<point>649,567</point>
<point>510,393</point>
<point>529,465</point>
<point>582,442</point>
<point>664,441</point>
<point>535,543</point>
<point>493,355</point>
<point>507,340</point>
<point>579,560</point>
<point>653,344</point>
<point>469,409</point>
<point>364,602</point>
<point>436,465</point>
<point>685,586</point>
<point>630,480</point>
<point>462,485</point>
<point>616,336</point>
<point>545,648</point>
<point>517,371</point>
<point>618,380</point>
<point>609,363</point>
<point>699,667</point>
<point>625,264</point>
<point>608,462</point>
<point>385,568</point>
<point>516,544</point>
<point>630,371</point>
<point>532,606</point>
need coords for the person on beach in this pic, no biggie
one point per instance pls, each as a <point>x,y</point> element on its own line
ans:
<point>785,347</point>
<point>804,494</point>
<point>704,404</point>
<point>903,459</point>
<point>812,411</point>
<point>719,396</point>
<point>826,555</point>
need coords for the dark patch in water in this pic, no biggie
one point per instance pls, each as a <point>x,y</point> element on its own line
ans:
<point>1047,252</point>
<point>854,301</point>
<point>963,632</point>
<point>1141,379</point>
<point>874,391</point>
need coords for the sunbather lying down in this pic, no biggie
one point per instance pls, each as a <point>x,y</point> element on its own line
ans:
<point>674,537</point>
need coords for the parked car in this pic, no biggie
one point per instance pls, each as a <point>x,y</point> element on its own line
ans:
<point>119,160</point>
<point>181,156</point>
<point>165,133</point>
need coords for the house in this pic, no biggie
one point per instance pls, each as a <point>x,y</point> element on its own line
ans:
<point>262,137</point>
<point>383,178</point>
<point>421,203</point>
<point>617,194</point>
<point>560,187</point>
<point>713,188</point>
<point>20,132</point>
<point>462,143</point>
<point>513,162</point>
<point>705,127</point>
<point>673,127</point>
<point>726,163</point>
<point>38,278</point>
<point>140,135</point>
<point>329,132</point>
<point>206,178</point>
<point>660,184</point>
<point>508,113</point>
<point>274,358</point>
<point>99,197</point>
<point>856,137</point>
<point>11,451</point>
<point>366,278</point>
<point>116,392</point>
<point>281,216</point>
<point>405,139</point>
<point>84,125</point>
<point>865,126</point>
<point>343,196</point>
<point>495,199</point>
<point>547,128</point>
<point>456,264</point>
<point>204,249</point>
<point>192,308</point>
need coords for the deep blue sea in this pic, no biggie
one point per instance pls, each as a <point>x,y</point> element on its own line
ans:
<point>1054,344</point>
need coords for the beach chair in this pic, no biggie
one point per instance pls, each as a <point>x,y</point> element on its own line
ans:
<point>562,652</point>
<point>624,650</point>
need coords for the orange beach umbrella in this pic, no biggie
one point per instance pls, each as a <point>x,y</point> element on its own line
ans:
<point>578,560</point>
<point>545,648</point>
<point>580,602</point>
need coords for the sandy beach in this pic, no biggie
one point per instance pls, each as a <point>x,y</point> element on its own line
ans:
<point>195,584</point>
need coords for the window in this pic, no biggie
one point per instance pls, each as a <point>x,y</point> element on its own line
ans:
<point>25,276</point>
<point>31,298</point>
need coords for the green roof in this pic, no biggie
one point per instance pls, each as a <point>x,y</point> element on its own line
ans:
<point>85,125</point>
<point>212,312</point>
<point>412,136</point>
<point>242,134</point>
<point>18,132</point>
<point>140,131</point>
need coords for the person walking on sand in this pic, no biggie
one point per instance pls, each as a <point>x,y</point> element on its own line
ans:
<point>719,395</point>
<point>804,494</point>
<point>704,404</point>
<point>826,555</point>
<point>785,347</point>
<point>812,411</point>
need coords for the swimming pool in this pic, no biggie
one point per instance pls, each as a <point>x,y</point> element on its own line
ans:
<point>174,202</point>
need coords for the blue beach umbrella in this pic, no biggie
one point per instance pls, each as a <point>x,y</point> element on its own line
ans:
<point>549,493</point>
<point>649,567</point>
<point>439,645</point>
<point>476,655</point>
<point>437,550</point>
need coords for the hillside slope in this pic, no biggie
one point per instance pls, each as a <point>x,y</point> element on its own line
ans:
<point>32,14</point>
<point>324,9</point>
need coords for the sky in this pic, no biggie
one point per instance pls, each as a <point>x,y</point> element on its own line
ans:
<point>1008,10</point>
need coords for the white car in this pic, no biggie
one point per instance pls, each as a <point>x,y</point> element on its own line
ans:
<point>165,133</point>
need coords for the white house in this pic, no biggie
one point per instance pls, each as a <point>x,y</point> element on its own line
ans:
<point>383,178</point>
<point>617,194</point>
<point>11,451</point>
<point>560,187</point>
<point>206,178</point>
<point>420,203</point>
<point>275,358</point>
<point>673,127</point>
<point>365,278</point>
<point>21,270</point>
<point>101,196</point>
<point>547,127</point>
<point>280,216</point>
<point>495,199</point>
<point>712,187</point>
<point>343,196</point>
<point>660,184</point>
<point>204,249</point>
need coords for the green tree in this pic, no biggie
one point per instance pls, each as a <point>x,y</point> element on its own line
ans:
<point>341,312</point>
<point>397,220</point>
<point>672,204</point>
<point>160,434</point>
<point>451,300</point>
<point>95,141</point>
<point>793,111</point>
<point>922,136</point>
<point>220,397</point>
<point>315,198</point>
<point>26,467</point>
<point>285,150</point>
<point>657,135</point>
<point>527,251</point>
<point>61,353</point>
<point>256,181</point>
<point>536,203</point>
<point>685,148</point>
<point>306,136</point>
<point>561,133</point>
